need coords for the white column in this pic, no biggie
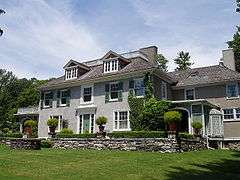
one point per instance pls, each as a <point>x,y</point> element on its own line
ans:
<point>203,121</point>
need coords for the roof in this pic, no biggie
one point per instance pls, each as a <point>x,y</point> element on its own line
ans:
<point>204,75</point>
<point>137,65</point>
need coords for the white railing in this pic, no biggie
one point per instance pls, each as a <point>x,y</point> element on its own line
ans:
<point>28,110</point>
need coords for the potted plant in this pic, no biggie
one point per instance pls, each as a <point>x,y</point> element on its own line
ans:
<point>28,126</point>
<point>101,120</point>
<point>52,123</point>
<point>172,118</point>
<point>197,126</point>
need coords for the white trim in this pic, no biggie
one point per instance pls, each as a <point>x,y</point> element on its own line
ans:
<point>189,118</point>
<point>69,73</point>
<point>90,122</point>
<point>236,89</point>
<point>82,91</point>
<point>116,99</point>
<point>113,65</point>
<point>185,93</point>
<point>128,121</point>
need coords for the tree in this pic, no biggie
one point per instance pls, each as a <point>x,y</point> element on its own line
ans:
<point>183,61</point>
<point>238,6</point>
<point>235,44</point>
<point>1,12</point>
<point>162,62</point>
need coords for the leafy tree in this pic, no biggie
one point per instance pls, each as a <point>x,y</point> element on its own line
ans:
<point>183,61</point>
<point>1,12</point>
<point>162,62</point>
<point>238,6</point>
<point>235,44</point>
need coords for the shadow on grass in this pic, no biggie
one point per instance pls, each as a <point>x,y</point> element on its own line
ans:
<point>222,169</point>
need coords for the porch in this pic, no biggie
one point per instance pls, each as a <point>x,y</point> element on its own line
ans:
<point>202,111</point>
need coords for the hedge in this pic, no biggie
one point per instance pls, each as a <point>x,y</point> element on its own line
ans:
<point>46,144</point>
<point>138,134</point>
<point>60,135</point>
<point>12,135</point>
<point>186,136</point>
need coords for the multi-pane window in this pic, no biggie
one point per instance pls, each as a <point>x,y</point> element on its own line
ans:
<point>189,94</point>
<point>228,114</point>
<point>48,96</point>
<point>232,90</point>
<point>139,88</point>
<point>164,90</point>
<point>121,120</point>
<point>114,91</point>
<point>87,94</point>
<point>237,113</point>
<point>60,122</point>
<point>197,112</point>
<point>63,97</point>
<point>110,66</point>
<point>71,73</point>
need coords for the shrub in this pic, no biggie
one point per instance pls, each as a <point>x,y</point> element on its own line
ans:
<point>66,131</point>
<point>52,122</point>
<point>186,136</point>
<point>12,135</point>
<point>101,120</point>
<point>5,130</point>
<point>172,117</point>
<point>75,135</point>
<point>46,144</point>
<point>197,125</point>
<point>138,134</point>
<point>30,123</point>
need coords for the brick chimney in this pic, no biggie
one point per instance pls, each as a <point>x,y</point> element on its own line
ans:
<point>228,59</point>
<point>151,53</point>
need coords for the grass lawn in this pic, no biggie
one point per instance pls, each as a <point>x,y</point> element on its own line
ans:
<point>79,164</point>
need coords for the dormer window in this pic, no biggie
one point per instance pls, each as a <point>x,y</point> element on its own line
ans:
<point>110,66</point>
<point>71,73</point>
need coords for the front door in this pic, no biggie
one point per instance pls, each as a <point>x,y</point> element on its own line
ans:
<point>86,124</point>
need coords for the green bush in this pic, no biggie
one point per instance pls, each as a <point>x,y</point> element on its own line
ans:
<point>66,131</point>
<point>186,136</point>
<point>46,144</point>
<point>52,122</point>
<point>30,123</point>
<point>101,120</point>
<point>172,117</point>
<point>75,135</point>
<point>138,134</point>
<point>12,135</point>
<point>197,125</point>
<point>5,130</point>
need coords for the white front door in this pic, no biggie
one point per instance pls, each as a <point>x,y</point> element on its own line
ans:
<point>86,124</point>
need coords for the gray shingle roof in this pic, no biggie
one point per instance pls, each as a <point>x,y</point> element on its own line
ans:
<point>136,64</point>
<point>204,75</point>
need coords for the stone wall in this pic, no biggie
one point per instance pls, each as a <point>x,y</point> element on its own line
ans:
<point>21,143</point>
<point>232,145</point>
<point>130,144</point>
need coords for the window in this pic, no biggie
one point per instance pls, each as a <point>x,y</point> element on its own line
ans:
<point>121,120</point>
<point>110,66</point>
<point>228,114</point>
<point>63,97</point>
<point>87,94</point>
<point>60,122</point>
<point>237,113</point>
<point>164,90</point>
<point>139,88</point>
<point>197,113</point>
<point>232,90</point>
<point>189,94</point>
<point>114,91</point>
<point>48,96</point>
<point>71,73</point>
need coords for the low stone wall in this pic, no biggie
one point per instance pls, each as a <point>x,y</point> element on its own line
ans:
<point>232,145</point>
<point>130,144</point>
<point>21,143</point>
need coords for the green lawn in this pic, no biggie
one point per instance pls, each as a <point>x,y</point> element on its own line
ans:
<point>79,164</point>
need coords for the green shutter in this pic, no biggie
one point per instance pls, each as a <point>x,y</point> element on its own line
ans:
<point>42,95</point>
<point>131,84</point>
<point>107,93</point>
<point>69,97</point>
<point>58,98</point>
<point>41,104</point>
<point>120,90</point>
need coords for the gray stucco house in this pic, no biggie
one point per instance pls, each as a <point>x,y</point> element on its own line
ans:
<point>100,87</point>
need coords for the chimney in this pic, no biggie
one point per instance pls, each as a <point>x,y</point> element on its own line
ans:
<point>150,52</point>
<point>228,59</point>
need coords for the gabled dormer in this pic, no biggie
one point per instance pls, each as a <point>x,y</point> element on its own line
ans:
<point>74,69</point>
<point>113,62</point>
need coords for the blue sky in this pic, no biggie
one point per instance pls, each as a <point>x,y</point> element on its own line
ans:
<point>41,36</point>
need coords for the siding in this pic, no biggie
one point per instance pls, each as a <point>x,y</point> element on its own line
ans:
<point>231,129</point>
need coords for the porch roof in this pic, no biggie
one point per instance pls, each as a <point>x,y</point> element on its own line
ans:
<point>204,101</point>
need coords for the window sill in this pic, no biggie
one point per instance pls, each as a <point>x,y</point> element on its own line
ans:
<point>231,120</point>
<point>62,105</point>
<point>113,100</point>
<point>232,98</point>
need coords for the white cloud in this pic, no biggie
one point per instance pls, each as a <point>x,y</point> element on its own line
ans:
<point>39,38</point>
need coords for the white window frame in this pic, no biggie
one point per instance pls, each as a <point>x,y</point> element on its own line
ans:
<point>80,122</point>
<point>45,99</point>
<point>60,122</point>
<point>185,93</point>
<point>60,103</point>
<point>164,88</point>
<point>111,65</point>
<point>115,82</point>
<point>71,73</point>
<point>234,115</point>
<point>128,121</point>
<point>236,89</point>
<point>138,79</point>
<point>82,93</point>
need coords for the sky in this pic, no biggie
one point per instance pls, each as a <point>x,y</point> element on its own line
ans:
<point>40,36</point>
